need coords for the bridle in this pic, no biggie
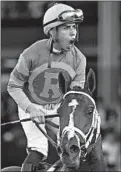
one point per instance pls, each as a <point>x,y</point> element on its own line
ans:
<point>94,132</point>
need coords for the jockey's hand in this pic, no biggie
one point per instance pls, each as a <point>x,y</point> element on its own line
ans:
<point>36,115</point>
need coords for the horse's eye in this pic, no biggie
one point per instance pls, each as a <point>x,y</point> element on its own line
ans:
<point>90,111</point>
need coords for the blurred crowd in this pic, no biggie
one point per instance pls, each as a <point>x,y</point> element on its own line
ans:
<point>36,9</point>
<point>111,134</point>
<point>13,137</point>
<point>24,9</point>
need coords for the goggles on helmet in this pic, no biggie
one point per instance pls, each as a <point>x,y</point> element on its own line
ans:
<point>69,16</point>
<point>75,15</point>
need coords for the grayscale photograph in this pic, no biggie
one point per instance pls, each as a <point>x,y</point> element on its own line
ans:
<point>60,86</point>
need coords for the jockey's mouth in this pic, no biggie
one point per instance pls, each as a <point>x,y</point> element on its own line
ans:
<point>72,41</point>
<point>70,44</point>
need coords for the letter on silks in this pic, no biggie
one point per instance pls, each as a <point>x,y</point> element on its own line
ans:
<point>48,85</point>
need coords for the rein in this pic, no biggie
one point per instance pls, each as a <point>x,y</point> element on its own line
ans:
<point>95,126</point>
<point>27,119</point>
<point>46,135</point>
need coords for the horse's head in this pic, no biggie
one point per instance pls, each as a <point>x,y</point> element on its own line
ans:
<point>78,123</point>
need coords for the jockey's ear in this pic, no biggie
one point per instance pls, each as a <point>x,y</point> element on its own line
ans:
<point>91,81</point>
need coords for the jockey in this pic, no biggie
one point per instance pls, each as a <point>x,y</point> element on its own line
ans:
<point>34,83</point>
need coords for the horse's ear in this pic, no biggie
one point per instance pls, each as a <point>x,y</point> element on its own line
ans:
<point>64,82</point>
<point>91,81</point>
<point>61,80</point>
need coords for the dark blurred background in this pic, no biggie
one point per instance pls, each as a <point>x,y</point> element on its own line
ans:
<point>99,40</point>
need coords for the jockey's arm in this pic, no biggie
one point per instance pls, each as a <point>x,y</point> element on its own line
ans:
<point>18,77</point>
<point>79,79</point>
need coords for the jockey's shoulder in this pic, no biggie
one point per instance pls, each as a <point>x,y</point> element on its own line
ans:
<point>78,53</point>
<point>36,48</point>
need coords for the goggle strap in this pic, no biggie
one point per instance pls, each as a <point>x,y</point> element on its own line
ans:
<point>52,21</point>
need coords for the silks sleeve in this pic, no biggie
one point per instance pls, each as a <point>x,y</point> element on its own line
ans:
<point>18,77</point>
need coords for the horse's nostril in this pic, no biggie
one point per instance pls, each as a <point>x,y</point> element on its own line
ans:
<point>74,149</point>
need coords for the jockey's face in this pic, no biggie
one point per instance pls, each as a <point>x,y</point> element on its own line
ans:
<point>65,36</point>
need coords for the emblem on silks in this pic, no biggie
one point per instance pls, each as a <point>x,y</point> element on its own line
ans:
<point>44,85</point>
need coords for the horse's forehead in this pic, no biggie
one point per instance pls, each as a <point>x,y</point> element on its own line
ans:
<point>87,100</point>
<point>83,100</point>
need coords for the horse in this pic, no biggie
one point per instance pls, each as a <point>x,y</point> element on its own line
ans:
<point>79,139</point>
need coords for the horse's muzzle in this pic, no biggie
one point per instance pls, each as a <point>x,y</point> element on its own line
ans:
<point>70,151</point>
<point>70,156</point>
<point>72,147</point>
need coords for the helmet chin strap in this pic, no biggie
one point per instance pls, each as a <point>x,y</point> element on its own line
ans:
<point>54,40</point>
<point>51,52</point>
<point>77,35</point>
